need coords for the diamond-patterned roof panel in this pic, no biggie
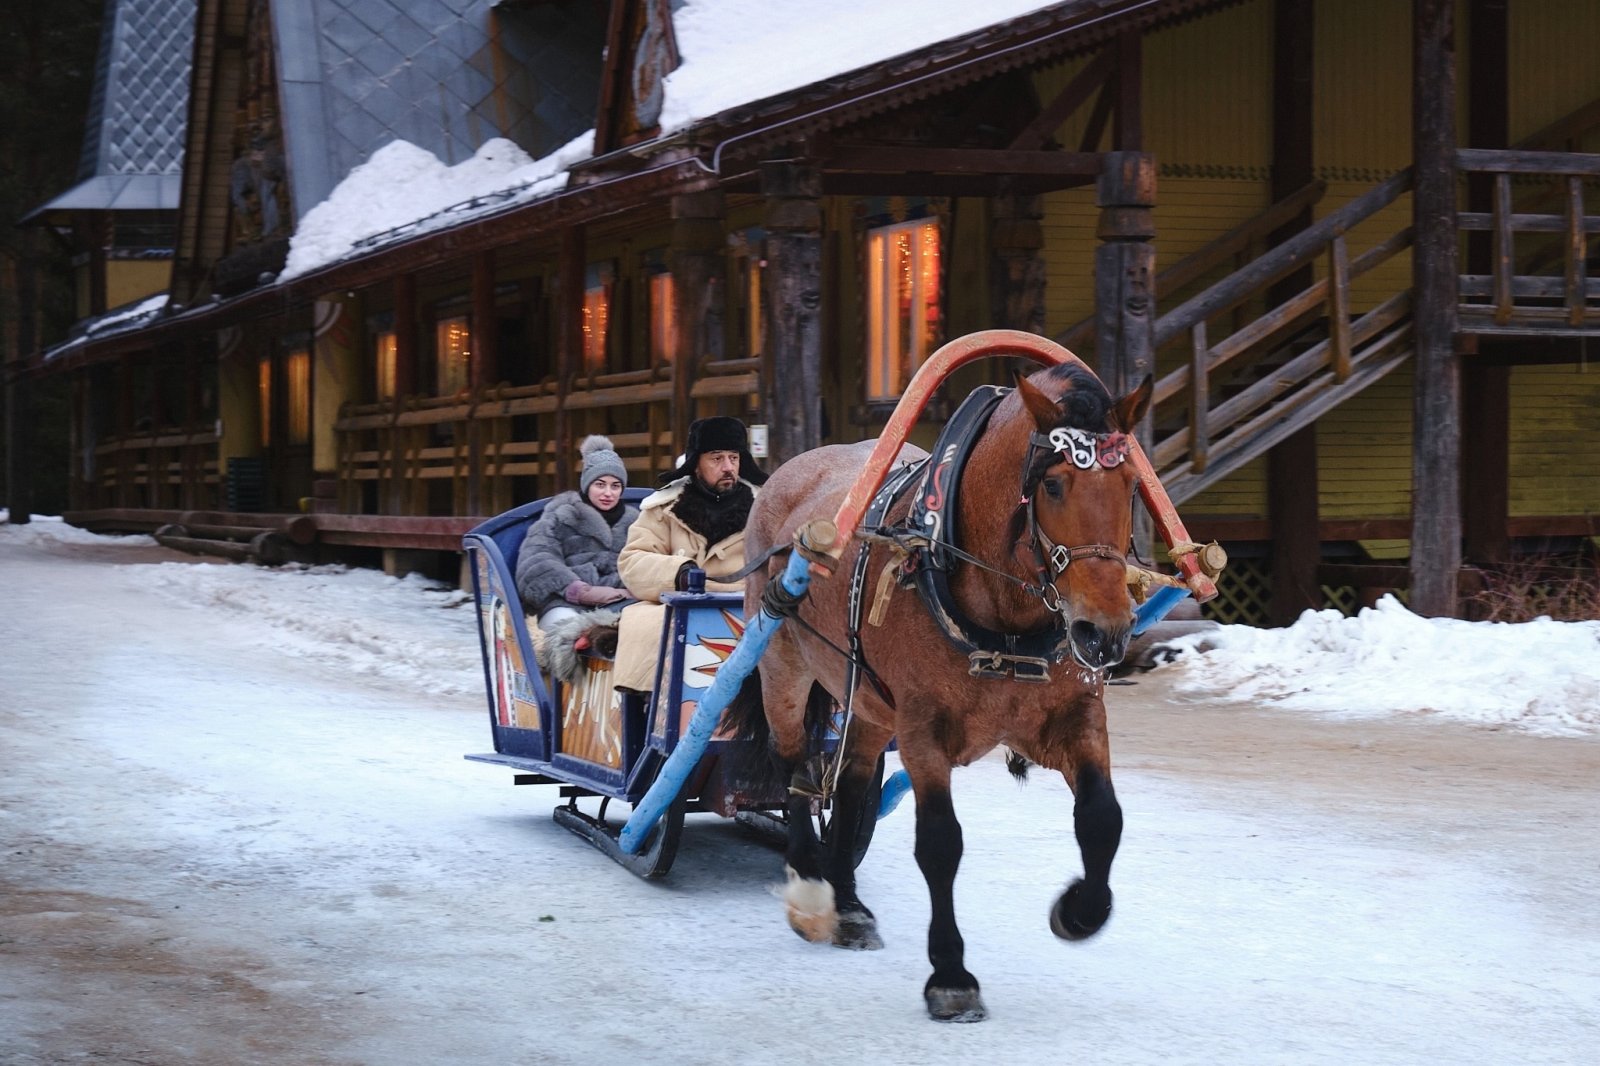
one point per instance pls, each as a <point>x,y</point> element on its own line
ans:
<point>422,71</point>
<point>145,63</point>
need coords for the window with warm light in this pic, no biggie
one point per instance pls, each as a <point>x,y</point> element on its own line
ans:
<point>453,341</point>
<point>384,354</point>
<point>596,314</point>
<point>663,319</point>
<point>297,396</point>
<point>903,323</point>
<point>264,391</point>
<point>752,305</point>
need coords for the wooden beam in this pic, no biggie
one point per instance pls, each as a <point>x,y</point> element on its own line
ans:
<point>698,239</point>
<point>1436,425</point>
<point>925,184</point>
<point>1485,393</point>
<point>896,160</point>
<point>1293,492</point>
<point>569,340</point>
<point>1071,97</point>
<point>1127,130</point>
<point>793,308</point>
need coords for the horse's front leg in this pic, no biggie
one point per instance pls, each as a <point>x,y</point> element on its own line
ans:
<point>951,992</point>
<point>1085,761</point>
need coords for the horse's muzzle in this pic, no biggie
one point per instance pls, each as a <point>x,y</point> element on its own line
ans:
<point>1098,648</point>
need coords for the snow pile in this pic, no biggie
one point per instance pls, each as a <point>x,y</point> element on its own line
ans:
<point>47,530</point>
<point>738,51</point>
<point>409,630</point>
<point>408,189</point>
<point>1541,677</point>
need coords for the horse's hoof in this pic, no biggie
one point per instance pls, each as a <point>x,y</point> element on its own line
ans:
<point>810,907</point>
<point>955,1004</point>
<point>857,931</point>
<point>1078,917</point>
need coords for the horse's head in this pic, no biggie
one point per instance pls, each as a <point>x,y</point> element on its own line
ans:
<point>1076,510</point>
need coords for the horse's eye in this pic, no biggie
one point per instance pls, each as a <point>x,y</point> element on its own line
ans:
<point>1052,487</point>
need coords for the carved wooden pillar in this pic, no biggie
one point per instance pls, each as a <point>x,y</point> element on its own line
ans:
<point>1017,271</point>
<point>1124,283</point>
<point>793,297</point>
<point>697,250</point>
<point>1436,426</point>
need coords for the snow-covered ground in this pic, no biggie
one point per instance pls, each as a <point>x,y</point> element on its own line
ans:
<point>237,829</point>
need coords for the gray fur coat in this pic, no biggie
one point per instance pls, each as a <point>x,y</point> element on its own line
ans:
<point>570,542</point>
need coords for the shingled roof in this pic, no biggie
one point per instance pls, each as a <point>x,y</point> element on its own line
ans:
<point>133,145</point>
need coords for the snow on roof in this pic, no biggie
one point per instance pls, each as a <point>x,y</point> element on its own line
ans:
<point>733,52</point>
<point>117,320</point>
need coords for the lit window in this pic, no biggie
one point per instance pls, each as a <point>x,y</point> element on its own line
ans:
<point>384,364</point>
<point>454,345</point>
<point>596,314</point>
<point>264,388</point>
<point>298,396</point>
<point>663,319</point>
<point>752,293</point>
<point>903,304</point>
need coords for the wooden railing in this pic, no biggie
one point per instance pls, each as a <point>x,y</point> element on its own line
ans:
<point>480,441</point>
<point>1506,300</point>
<point>1238,246</point>
<point>1215,431</point>
<point>168,467</point>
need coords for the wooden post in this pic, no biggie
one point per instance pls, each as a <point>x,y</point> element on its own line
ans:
<point>484,372</point>
<point>1292,476</point>
<point>793,304</point>
<point>1485,389</point>
<point>569,342</point>
<point>697,249</point>
<point>1127,127</point>
<point>18,471</point>
<point>405,384</point>
<point>1017,271</point>
<point>1436,427</point>
<point>1124,284</point>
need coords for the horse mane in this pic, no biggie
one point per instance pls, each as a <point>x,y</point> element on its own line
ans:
<point>1085,404</point>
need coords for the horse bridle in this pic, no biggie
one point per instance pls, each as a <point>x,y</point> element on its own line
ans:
<point>1086,451</point>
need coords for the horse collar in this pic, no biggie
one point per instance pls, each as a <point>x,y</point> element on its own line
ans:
<point>1024,656</point>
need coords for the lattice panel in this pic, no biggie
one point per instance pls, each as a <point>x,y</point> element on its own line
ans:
<point>1244,592</point>
<point>1343,598</point>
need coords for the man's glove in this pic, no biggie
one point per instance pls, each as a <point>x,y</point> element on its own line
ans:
<point>681,581</point>
<point>587,595</point>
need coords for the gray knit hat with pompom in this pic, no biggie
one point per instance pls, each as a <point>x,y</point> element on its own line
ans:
<point>599,459</point>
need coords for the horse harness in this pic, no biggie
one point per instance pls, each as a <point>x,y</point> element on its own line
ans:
<point>925,550</point>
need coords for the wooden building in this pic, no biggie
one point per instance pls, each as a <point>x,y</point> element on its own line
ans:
<point>1350,239</point>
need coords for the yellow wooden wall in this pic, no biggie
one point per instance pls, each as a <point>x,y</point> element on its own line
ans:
<point>1554,67</point>
<point>1555,440</point>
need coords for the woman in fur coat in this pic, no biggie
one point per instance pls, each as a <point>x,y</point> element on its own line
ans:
<point>568,559</point>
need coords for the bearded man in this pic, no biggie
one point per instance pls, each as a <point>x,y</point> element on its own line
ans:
<point>695,521</point>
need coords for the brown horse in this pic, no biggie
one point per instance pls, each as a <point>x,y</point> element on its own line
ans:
<point>1018,498</point>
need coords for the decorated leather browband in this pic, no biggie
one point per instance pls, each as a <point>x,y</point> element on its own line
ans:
<point>1086,450</point>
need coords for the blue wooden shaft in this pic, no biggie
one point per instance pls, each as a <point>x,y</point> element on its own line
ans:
<point>796,579</point>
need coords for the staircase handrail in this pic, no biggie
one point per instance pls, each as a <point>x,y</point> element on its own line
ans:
<point>1281,261</point>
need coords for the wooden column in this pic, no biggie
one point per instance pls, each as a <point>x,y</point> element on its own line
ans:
<point>1292,484</point>
<point>1017,271</point>
<point>1127,127</point>
<point>1486,390</point>
<point>569,341</point>
<point>1124,288</point>
<point>18,473</point>
<point>397,498</point>
<point>1436,429</point>
<point>697,250</point>
<point>793,298</point>
<point>485,326</point>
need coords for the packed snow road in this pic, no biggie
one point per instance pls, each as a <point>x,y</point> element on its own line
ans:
<point>237,828</point>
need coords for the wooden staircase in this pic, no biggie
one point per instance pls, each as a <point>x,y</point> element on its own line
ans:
<point>1233,397</point>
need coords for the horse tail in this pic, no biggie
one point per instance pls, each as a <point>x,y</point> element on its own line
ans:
<point>754,764</point>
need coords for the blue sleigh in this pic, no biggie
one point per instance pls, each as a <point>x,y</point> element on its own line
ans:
<point>594,741</point>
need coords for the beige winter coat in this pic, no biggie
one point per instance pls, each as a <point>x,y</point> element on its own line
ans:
<point>658,545</point>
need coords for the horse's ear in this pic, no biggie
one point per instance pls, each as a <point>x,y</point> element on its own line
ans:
<point>1130,410</point>
<point>1044,410</point>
